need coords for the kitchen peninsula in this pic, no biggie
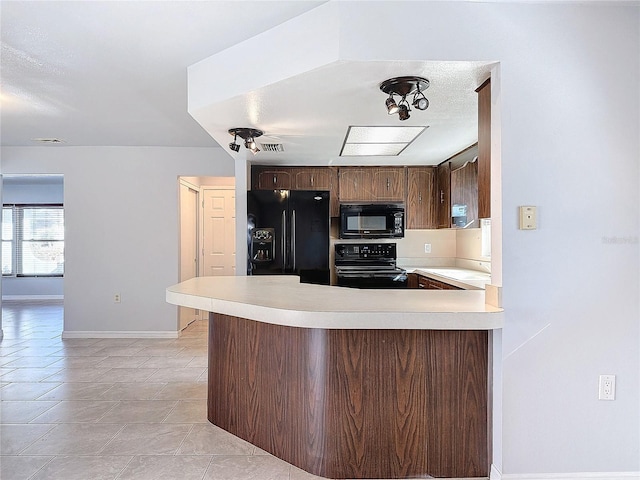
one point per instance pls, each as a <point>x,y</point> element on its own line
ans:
<point>349,383</point>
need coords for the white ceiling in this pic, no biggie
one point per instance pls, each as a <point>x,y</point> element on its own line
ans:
<point>115,73</point>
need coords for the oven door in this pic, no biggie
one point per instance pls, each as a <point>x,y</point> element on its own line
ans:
<point>371,278</point>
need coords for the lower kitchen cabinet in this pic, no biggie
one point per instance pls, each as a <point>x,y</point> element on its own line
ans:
<point>415,280</point>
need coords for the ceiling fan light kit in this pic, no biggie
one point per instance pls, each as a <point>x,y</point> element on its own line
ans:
<point>248,135</point>
<point>403,87</point>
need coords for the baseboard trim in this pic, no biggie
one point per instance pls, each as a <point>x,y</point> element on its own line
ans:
<point>572,476</point>
<point>118,334</point>
<point>33,297</point>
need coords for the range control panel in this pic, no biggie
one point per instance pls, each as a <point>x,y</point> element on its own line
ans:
<point>365,251</point>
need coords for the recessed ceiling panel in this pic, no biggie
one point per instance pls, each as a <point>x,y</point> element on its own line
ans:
<point>372,149</point>
<point>392,134</point>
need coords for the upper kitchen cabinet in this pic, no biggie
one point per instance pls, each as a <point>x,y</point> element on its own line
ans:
<point>389,184</point>
<point>269,178</point>
<point>421,198</point>
<point>361,184</point>
<point>484,149</point>
<point>311,178</point>
<point>464,195</point>
<point>443,195</point>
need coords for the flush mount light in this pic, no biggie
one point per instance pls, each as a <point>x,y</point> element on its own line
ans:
<point>248,135</point>
<point>369,141</point>
<point>403,87</point>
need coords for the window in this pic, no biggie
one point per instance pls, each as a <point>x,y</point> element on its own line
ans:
<point>32,240</point>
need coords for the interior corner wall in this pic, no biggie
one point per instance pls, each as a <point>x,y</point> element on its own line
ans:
<point>121,228</point>
<point>569,145</point>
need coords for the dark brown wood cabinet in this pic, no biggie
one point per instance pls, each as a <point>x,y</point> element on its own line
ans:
<point>484,149</point>
<point>362,184</point>
<point>311,178</point>
<point>271,178</point>
<point>415,280</point>
<point>438,285</point>
<point>421,201</point>
<point>443,195</point>
<point>389,184</point>
<point>464,191</point>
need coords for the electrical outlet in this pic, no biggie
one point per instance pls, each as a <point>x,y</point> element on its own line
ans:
<point>607,387</point>
<point>116,298</point>
<point>427,248</point>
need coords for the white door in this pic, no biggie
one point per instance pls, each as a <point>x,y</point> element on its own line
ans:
<point>219,231</point>
<point>188,246</point>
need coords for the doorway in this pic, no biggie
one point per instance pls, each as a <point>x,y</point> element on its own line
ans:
<point>207,233</point>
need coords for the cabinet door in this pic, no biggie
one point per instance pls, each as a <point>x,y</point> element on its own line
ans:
<point>354,185</point>
<point>484,150</point>
<point>311,179</point>
<point>464,191</point>
<point>421,188</point>
<point>443,196</point>
<point>438,285</point>
<point>274,179</point>
<point>361,184</point>
<point>389,184</point>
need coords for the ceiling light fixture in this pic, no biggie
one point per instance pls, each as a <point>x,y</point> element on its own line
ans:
<point>402,87</point>
<point>233,145</point>
<point>248,135</point>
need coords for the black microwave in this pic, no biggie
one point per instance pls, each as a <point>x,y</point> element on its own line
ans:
<point>371,220</point>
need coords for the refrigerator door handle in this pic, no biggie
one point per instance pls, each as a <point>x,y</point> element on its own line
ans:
<point>293,238</point>
<point>282,240</point>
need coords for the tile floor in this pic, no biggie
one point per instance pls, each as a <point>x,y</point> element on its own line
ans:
<point>107,409</point>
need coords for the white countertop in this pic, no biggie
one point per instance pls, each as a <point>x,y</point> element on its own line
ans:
<point>460,277</point>
<point>283,300</point>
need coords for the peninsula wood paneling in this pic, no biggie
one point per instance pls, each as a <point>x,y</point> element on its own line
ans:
<point>354,403</point>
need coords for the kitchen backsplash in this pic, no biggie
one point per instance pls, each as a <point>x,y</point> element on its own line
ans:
<point>449,247</point>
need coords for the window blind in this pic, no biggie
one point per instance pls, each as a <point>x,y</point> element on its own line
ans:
<point>34,238</point>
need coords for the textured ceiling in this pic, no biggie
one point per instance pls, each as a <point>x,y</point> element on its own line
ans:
<point>115,73</point>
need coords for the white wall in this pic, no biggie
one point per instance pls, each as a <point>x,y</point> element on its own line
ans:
<point>121,225</point>
<point>570,106</point>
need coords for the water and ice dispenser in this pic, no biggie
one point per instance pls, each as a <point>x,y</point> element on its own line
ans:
<point>262,245</point>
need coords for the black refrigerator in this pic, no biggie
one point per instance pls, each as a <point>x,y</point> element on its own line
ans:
<point>288,234</point>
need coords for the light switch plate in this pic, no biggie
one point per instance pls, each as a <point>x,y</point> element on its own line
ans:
<point>528,217</point>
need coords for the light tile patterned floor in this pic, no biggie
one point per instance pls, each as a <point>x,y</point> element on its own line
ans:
<point>107,409</point>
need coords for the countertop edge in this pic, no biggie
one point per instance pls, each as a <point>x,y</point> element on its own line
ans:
<point>489,318</point>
